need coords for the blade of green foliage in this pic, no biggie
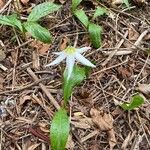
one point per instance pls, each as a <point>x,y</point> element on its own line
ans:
<point>99,12</point>
<point>59,130</point>
<point>77,76</point>
<point>42,10</point>
<point>126,3</point>
<point>136,101</point>
<point>11,21</point>
<point>80,14</point>
<point>75,4</point>
<point>38,32</point>
<point>95,34</point>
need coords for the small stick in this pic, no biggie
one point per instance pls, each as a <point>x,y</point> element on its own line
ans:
<point>5,6</point>
<point>44,89</point>
<point>115,51</point>
<point>23,87</point>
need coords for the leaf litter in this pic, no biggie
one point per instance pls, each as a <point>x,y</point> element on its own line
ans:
<point>30,118</point>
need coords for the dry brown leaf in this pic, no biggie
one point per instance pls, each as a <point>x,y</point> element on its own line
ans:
<point>139,2</point>
<point>124,72</point>
<point>62,1</point>
<point>33,147</point>
<point>24,98</point>
<point>102,120</point>
<point>2,3</point>
<point>105,123</point>
<point>64,43</point>
<point>40,46</point>
<point>24,1</point>
<point>133,34</point>
<point>144,88</point>
<point>117,2</point>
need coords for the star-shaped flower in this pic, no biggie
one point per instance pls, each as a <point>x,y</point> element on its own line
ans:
<point>71,54</point>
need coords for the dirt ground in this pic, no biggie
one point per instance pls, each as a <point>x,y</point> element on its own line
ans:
<point>122,70</point>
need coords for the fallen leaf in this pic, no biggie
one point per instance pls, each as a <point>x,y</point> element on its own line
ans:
<point>33,147</point>
<point>117,2</point>
<point>124,72</point>
<point>64,43</point>
<point>133,34</point>
<point>24,1</point>
<point>40,46</point>
<point>144,88</point>
<point>2,3</point>
<point>139,2</point>
<point>62,1</point>
<point>104,122</point>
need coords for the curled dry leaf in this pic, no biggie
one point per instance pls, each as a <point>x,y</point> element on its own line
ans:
<point>24,1</point>
<point>104,122</point>
<point>64,43</point>
<point>133,34</point>
<point>139,2</point>
<point>2,3</point>
<point>117,2</point>
<point>41,47</point>
<point>144,88</point>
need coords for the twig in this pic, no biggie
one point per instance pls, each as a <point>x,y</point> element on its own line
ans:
<point>115,51</point>
<point>5,6</point>
<point>24,87</point>
<point>140,38</point>
<point>44,89</point>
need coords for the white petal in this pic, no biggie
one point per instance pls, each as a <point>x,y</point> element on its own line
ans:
<point>57,60</point>
<point>69,64</point>
<point>57,53</point>
<point>83,60</point>
<point>84,49</point>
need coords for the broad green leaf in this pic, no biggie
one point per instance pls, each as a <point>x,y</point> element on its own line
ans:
<point>99,12</point>
<point>11,21</point>
<point>59,130</point>
<point>95,34</point>
<point>42,10</point>
<point>77,76</point>
<point>80,14</point>
<point>75,4</point>
<point>136,101</point>
<point>126,2</point>
<point>38,32</point>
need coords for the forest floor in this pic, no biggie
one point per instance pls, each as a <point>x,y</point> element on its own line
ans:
<point>97,120</point>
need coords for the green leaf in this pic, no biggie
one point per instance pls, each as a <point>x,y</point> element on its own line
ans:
<point>75,4</point>
<point>126,2</point>
<point>38,32</point>
<point>11,21</point>
<point>99,12</point>
<point>59,130</point>
<point>42,10</point>
<point>80,14</point>
<point>77,76</point>
<point>136,101</point>
<point>95,34</point>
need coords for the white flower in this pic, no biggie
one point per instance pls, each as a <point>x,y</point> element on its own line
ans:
<point>71,54</point>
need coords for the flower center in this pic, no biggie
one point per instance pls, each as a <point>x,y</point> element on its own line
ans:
<point>70,50</point>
